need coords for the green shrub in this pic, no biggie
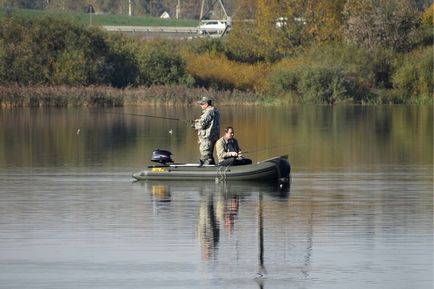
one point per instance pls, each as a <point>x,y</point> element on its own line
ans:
<point>282,81</point>
<point>123,68</point>
<point>424,36</point>
<point>206,45</point>
<point>34,46</point>
<point>321,84</point>
<point>54,51</point>
<point>70,68</point>
<point>160,62</point>
<point>318,84</point>
<point>414,75</point>
<point>217,72</point>
<point>372,67</point>
<point>3,70</point>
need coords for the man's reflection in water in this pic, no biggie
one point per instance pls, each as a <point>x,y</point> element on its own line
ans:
<point>228,205</point>
<point>208,229</point>
<point>216,212</point>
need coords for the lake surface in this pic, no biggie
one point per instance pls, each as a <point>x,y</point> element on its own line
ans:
<point>358,214</point>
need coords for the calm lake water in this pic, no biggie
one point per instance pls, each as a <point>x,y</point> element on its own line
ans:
<point>358,214</point>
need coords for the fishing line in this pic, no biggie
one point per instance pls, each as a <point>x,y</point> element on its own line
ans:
<point>269,149</point>
<point>153,116</point>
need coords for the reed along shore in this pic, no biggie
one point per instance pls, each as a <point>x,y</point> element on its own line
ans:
<point>82,96</point>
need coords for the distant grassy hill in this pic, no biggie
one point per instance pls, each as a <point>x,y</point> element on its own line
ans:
<point>102,19</point>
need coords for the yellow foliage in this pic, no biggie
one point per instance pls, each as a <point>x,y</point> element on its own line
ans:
<point>287,63</point>
<point>217,69</point>
<point>427,16</point>
<point>278,28</point>
<point>324,19</point>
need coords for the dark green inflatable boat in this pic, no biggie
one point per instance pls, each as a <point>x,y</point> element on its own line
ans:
<point>274,169</point>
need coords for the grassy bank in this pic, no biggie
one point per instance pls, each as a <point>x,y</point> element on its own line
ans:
<point>74,96</point>
<point>100,19</point>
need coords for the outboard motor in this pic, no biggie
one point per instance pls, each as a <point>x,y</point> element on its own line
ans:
<point>161,156</point>
<point>285,171</point>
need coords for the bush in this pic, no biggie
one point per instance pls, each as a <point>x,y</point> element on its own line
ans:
<point>70,68</point>
<point>372,67</point>
<point>413,76</point>
<point>283,80</point>
<point>217,72</point>
<point>327,85</point>
<point>53,51</point>
<point>206,45</point>
<point>3,69</point>
<point>317,84</point>
<point>123,68</point>
<point>160,63</point>
<point>36,49</point>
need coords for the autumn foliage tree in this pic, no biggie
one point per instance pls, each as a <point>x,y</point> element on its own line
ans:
<point>380,23</point>
<point>276,29</point>
<point>323,19</point>
<point>427,15</point>
<point>264,30</point>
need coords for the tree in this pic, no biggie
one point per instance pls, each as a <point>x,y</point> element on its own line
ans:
<point>322,19</point>
<point>278,28</point>
<point>427,16</point>
<point>272,30</point>
<point>380,23</point>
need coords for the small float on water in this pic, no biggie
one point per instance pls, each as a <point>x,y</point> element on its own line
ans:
<point>273,169</point>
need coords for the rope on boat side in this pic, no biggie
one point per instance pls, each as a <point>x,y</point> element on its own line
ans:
<point>221,174</point>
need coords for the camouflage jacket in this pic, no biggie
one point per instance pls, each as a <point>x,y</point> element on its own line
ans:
<point>208,125</point>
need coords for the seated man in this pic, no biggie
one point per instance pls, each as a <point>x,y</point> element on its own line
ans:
<point>228,151</point>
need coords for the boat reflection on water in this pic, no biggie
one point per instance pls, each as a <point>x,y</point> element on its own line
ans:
<point>217,209</point>
<point>160,193</point>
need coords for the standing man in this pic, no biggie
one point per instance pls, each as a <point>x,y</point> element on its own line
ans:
<point>228,150</point>
<point>208,130</point>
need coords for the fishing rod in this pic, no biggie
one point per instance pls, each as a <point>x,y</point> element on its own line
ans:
<point>153,116</point>
<point>261,150</point>
<point>269,149</point>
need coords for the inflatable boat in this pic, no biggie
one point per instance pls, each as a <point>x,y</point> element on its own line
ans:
<point>273,169</point>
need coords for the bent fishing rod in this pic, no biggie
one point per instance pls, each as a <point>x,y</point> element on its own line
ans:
<point>154,116</point>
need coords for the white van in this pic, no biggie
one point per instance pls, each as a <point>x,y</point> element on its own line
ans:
<point>212,26</point>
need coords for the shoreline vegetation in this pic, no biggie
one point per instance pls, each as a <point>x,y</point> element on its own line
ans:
<point>46,60</point>
<point>14,96</point>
